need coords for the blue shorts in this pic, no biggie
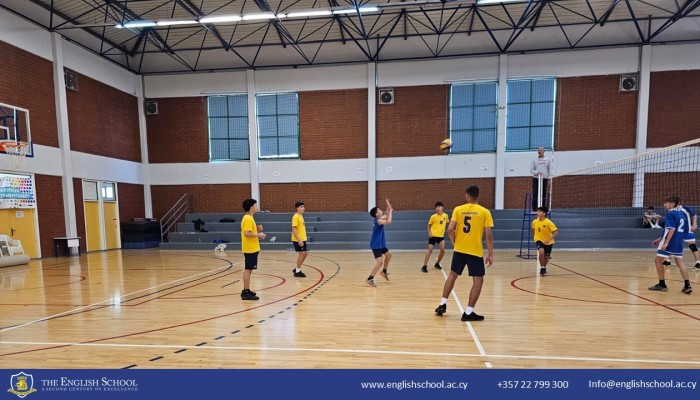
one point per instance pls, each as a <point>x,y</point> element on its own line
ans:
<point>251,260</point>
<point>378,253</point>
<point>474,264</point>
<point>299,249</point>
<point>689,237</point>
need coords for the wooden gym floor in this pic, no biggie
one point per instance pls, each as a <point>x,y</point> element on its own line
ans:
<point>153,309</point>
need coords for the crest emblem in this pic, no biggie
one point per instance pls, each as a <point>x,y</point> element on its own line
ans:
<point>22,385</point>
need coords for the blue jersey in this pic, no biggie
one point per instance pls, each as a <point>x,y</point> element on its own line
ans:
<point>675,219</point>
<point>378,240</point>
<point>688,215</point>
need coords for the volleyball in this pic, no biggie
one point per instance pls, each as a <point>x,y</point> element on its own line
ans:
<point>445,144</point>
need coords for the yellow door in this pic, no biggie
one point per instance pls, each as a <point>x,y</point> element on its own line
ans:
<point>111,220</point>
<point>19,224</point>
<point>93,228</point>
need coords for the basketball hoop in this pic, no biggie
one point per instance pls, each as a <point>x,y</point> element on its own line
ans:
<point>17,151</point>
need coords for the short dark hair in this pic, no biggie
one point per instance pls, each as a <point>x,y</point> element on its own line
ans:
<point>248,203</point>
<point>298,204</point>
<point>473,191</point>
<point>673,199</point>
<point>650,208</point>
<point>439,204</point>
<point>544,209</point>
<point>373,212</point>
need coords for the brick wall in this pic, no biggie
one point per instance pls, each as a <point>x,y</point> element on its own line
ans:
<point>318,197</point>
<point>49,199</point>
<point>27,82</point>
<point>333,124</point>
<point>593,114</point>
<point>131,201</point>
<point>515,189</point>
<point>422,194</point>
<point>674,101</point>
<point>682,184</point>
<point>207,198</point>
<point>179,133</point>
<point>103,120</point>
<point>593,191</point>
<point>415,124</point>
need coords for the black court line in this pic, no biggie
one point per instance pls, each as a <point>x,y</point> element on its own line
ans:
<point>156,358</point>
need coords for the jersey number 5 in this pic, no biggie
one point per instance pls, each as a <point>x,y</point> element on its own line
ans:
<point>467,226</point>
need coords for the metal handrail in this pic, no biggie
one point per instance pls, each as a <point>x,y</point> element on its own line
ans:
<point>181,207</point>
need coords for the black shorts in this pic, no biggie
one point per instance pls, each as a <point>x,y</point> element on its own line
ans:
<point>474,264</point>
<point>547,247</point>
<point>379,252</point>
<point>299,249</point>
<point>251,260</point>
<point>435,240</point>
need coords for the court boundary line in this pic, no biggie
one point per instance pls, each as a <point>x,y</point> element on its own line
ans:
<point>360,351</point>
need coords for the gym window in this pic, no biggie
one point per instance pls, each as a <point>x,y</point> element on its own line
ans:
<point>228,127</point>
<point>473,117</point>
<point>530,117</point>
<point>278,125</point>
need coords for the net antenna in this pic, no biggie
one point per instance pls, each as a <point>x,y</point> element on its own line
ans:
<point>17,151</point>
<point>628,185</point>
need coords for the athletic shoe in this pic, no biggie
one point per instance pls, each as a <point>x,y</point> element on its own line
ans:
<point>437,265</point>
<point>249,296</point>
<point>385,275</point>
<point>472,317</point>
<point>658,288</point>
<point>371,282</point>
<point>667,262</point>
<point>249,291</point>
<point>299,274</point>
<point>442,308</point>
<point>425,269</point>
<point>543,271</point>
<point>687,290</point>
<point>697,265</point>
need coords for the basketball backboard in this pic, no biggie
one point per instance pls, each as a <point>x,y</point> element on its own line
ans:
<point>15,126</point>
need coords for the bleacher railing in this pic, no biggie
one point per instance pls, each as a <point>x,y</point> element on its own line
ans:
<point>176,213</point>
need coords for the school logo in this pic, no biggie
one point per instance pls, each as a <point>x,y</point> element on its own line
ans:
<point>22,385</point>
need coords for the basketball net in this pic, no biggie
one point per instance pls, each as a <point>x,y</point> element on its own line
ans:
<point>17,151</point>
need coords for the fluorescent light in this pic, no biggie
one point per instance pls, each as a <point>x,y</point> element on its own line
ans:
<point>137,24</point>
<point>255,17</point>
<point>220,18</point>
<point>486,2</point>
<point>365,9</point>
<point>312,13</point>
<point>168,23</point>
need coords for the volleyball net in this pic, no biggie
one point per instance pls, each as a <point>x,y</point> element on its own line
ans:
<point>629,185</point>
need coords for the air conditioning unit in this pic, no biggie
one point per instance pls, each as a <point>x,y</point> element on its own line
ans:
<point>386,96</point>
<point>629,83</point>
<point>150,107</point>
<point>70,80</point>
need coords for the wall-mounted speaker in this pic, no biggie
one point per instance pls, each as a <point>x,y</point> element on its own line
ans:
<point>629,83</point>
<point>70,80</point>
<point>150,107</point>
<point>386,96</point>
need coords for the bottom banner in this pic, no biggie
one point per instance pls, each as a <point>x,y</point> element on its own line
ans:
<point>351,384</point>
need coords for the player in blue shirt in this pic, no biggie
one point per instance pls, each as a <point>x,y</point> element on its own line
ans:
<point>378,242</point>
<point>691,223</point>
<point>671,244</point>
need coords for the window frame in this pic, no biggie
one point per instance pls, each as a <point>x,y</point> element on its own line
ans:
<point>277,115</point>
<point>472,108</point>
<point>530,126</point>
<point>229,139</point>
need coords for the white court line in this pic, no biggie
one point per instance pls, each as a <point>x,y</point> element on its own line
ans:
<point>469,325</point>
<point>360,351</point>
<point>111,300</point>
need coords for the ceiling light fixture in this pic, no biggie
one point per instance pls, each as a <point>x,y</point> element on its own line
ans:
<point>213,19</point>
<point>137,24</point>
<point>364,9</point>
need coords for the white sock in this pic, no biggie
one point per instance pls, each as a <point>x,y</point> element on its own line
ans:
<point>468,310</point>
<point>443,301</point>
<point>297,269</point>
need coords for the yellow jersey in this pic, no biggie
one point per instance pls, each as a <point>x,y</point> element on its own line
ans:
<point>249,244</point>
<point>471,220</point>
<point>543,229</point>
<point>438,224</point>
<point>298,222</point>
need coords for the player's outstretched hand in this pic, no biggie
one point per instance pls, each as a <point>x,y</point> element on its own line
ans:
<point>388,205</point>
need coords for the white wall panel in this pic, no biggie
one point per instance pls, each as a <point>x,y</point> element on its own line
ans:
<point>574,63</point>
<point>437,72</point>
<point>292,171</point>
<point>88,166</point>
<point>86,63</point>
<point>193,85</point>
<point>25,35</point>
<point>200,173</point>
<point>675,57</point>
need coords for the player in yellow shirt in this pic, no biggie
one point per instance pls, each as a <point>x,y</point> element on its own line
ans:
<point>250,245</point>
<point>436,235</point>
<point>469,223</point>
<point>544,231</point>
<point>299,238</point>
